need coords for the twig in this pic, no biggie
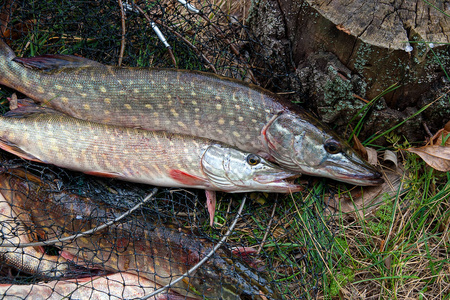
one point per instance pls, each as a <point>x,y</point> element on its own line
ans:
<point>122,41</point>
<point>427,130</point>
<point>93,230</point>
<point>200,263</point>
<point>360,98</point>
<point>268,229</point>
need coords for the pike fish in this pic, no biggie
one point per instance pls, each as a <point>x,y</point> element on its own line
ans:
<point>29,259</point>
<point>152,157</point>
<point>157,252</point>
<point>115,286</point>
<point>200,104</point>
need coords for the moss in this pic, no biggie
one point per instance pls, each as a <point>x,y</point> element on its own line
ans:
<point>381,226</point>
<point>363,54</point>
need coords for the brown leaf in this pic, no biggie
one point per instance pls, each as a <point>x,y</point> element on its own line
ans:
<point>447,126</point>
<point>365,200</point>
<point>372,156</point>
<point>359,148</point>
<point>437,157</point>
<point>390,156</point>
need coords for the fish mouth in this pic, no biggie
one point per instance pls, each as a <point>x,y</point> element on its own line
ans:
<point>363,180</point>
<point>282,182</point>
<point>357,171</point>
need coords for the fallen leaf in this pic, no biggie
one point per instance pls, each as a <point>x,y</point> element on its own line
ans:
<point>359,148</point>
<point>437,157</point>
<point>13,101</point>
<point>365,200</point>
<point>372,157</point>
<point>442,134</point>
<point>390,156</point>
<point>447,126</point>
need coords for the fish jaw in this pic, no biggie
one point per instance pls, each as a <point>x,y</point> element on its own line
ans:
<point>354,170</point>
<point>303,145</point>
<point>281,182</point>
<point>233,171</point>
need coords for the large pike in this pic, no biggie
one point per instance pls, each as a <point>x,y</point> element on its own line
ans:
<point>186,102</point>
<point>152,157</point>
<point>157,252</point>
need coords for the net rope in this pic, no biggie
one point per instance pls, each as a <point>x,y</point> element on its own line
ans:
<point>279,244</point>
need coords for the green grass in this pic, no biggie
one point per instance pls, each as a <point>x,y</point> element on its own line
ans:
<point>401,249</point>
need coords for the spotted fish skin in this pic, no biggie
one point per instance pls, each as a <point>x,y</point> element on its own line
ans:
<point>186,102</point>
<point>157,252</point>
<point>114,286</point>
<point>151,157</point>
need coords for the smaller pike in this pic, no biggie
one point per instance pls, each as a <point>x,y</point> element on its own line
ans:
<point>157,158</point>
<point>115,286</point>
<point>160,253</point>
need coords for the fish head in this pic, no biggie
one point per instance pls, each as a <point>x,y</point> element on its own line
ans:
<point>232,170</point>
<point>300,143</point>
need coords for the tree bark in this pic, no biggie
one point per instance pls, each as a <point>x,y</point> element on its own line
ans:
<point>349,50</point>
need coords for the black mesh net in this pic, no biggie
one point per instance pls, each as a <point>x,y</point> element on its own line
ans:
<point>280,244</point>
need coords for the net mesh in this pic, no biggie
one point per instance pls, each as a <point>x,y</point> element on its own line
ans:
<point>278,247</point>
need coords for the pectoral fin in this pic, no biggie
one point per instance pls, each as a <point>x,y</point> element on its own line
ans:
<point>187,179</point>
<point>211,205</point>
<point>14,149</point>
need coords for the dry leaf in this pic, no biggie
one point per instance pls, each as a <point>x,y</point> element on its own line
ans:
<point>368,200</point>
<point>372,157</point>
<point>359,148</point>
<point>13,101</point>
<point>437,157</point>
<point>443,133</point>
<point>390,156</point>
<point>447,126</point>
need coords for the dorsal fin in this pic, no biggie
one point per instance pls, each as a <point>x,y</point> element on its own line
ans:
<point>54,63</point>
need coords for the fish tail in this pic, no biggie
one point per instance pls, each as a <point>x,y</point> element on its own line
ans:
<point>6,53</point>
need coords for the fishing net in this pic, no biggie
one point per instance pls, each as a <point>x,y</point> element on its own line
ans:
<point>280,244</point>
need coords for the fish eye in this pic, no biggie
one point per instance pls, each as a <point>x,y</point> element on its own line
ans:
<point>253,159</point>
<point>332,147</point>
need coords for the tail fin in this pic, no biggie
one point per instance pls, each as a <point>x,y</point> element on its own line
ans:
<point>5,51</point>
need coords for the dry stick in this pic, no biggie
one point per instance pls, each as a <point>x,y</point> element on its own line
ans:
<point>268,229</point>
<point>179,36</point>
<point>122,41</point>
<point>200,263</point>
<point>90,231</point>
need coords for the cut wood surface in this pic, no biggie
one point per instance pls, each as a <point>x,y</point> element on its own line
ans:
<point>345,50</point>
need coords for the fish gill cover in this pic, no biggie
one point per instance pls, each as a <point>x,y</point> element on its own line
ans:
<point>284,241</point>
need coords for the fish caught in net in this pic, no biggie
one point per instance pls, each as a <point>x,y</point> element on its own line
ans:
<point>279,245</point>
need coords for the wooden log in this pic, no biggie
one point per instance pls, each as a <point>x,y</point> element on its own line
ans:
<point>375,44</point>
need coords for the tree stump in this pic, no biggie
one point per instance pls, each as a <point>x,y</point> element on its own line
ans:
<point>346,51</point>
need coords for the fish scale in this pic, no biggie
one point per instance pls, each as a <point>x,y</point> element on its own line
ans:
<point>152,157</point>
<point>154,251</point>
<point>200,104</point>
